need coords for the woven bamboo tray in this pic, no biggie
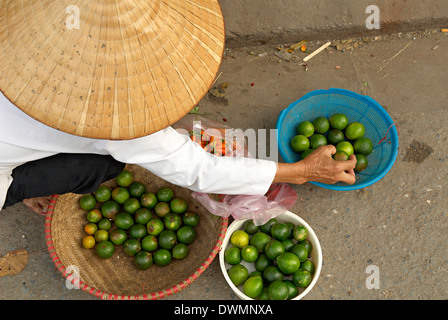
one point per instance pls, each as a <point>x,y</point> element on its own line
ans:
<point>117,278</point>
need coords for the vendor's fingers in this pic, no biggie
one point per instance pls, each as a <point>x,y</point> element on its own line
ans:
<point>348,177</point>
<point>329,149</point>
<point>349,164</point>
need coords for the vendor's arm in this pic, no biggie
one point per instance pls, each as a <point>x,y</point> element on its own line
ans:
<point>319,166</point>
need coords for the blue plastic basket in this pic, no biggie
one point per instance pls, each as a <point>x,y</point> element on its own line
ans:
<point>378,124</point>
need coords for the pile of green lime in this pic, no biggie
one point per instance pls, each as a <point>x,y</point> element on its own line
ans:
<point>152,227</point>
<point>348,138</point>
<point>280,253</point>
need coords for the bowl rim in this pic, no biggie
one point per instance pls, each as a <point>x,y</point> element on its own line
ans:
<point>377,107</point>
<point>235,225</point>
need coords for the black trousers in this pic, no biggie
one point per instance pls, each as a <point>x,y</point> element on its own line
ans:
<point>59,174</point>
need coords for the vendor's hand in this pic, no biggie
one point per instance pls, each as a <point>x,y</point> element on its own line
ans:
<point>319,166</point>
<point>38,205</point>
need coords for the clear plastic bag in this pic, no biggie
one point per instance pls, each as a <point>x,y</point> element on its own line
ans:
<point>215,138</point>
<point>280,198</point>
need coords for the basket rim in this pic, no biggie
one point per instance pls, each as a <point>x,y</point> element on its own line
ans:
<point>377,107</point>
<point>111,296</point>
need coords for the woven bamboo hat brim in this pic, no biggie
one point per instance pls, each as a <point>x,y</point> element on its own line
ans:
<point>109,69</point>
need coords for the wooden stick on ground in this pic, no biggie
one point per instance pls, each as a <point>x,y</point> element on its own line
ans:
<point>317,51</point>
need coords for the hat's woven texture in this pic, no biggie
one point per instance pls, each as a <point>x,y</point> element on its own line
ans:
<point>109,69</point>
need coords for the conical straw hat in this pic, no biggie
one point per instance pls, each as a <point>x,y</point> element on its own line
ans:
<point>109,69</point>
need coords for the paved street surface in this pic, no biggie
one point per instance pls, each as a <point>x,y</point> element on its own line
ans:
<point>398,225</point>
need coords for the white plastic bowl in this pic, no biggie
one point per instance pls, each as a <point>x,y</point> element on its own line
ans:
<point>316,254</point>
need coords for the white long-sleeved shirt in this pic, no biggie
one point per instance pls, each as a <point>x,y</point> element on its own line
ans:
<point>167,153</point>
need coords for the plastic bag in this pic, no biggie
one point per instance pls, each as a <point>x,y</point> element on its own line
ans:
<point>215,138</point>
<point>279,199</point>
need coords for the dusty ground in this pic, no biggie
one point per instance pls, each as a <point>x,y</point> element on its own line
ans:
<point>399,224</point>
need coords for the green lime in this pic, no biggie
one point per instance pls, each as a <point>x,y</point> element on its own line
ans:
<point>345,146</point>
<point>105,249</point>
<point>264,294</point>
<point>305,128</point>
<point>253,287</point>
<point>262,262</point>
<point>288,244</point>
<point>88,242</point>
<point>124,178</point>
<point>238,274</point>
<point>110,208</point>
<point>143,260</point>
<point>335,136</point>
<point>190,219</point>
<point>272,273</point>
<point>118,236</point>
<point>178,205</point>
<point>301,278</point>
<point>278,290</point>
<point>259,240</point>
<point>161,209</point>
<point>120,194</point>
<point>186,234</point>
<point>90,228</point>
<point>124,220</point>
<point>87,202</point>
<point>131,205</point>
<point>363,146</point>
<point>338,121</point>
<point>361,162</point>
<point>155,226</point>
<point>317,141</point>
<point>104,224</point>
<point>249,253</point>
<point>255,274</point>
<point>148,200</point>
<point>131,247</point>
<point>103,193</point>
<point>250,227</point>
<point>142,215</point>
<point>309,266</point>
<point>280,231</point>
<point>288,263</point>
<point>307,244</point>
<point>149,243</point>
<point>162,257</point>
<point>239,238</point>
<point>290,226</point>
<point>137,231</point>
<point>340,156</point>
<point>180,251</point>
<point>232,255</point>
<point>167,239</point>
<point>266,228</point>
<point>165,194</point>
<point>300,143</point>
<point>300,252</point>
<point>321,125</point>
<point>292,289</point>
<point>172,221</point>
<point>354,131</point>
<point>299,233</point>
<point>136,189</point>
<point>94,216</point>
<point>101,235</point>
<point>306,153</point>
<point>273,249</point>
